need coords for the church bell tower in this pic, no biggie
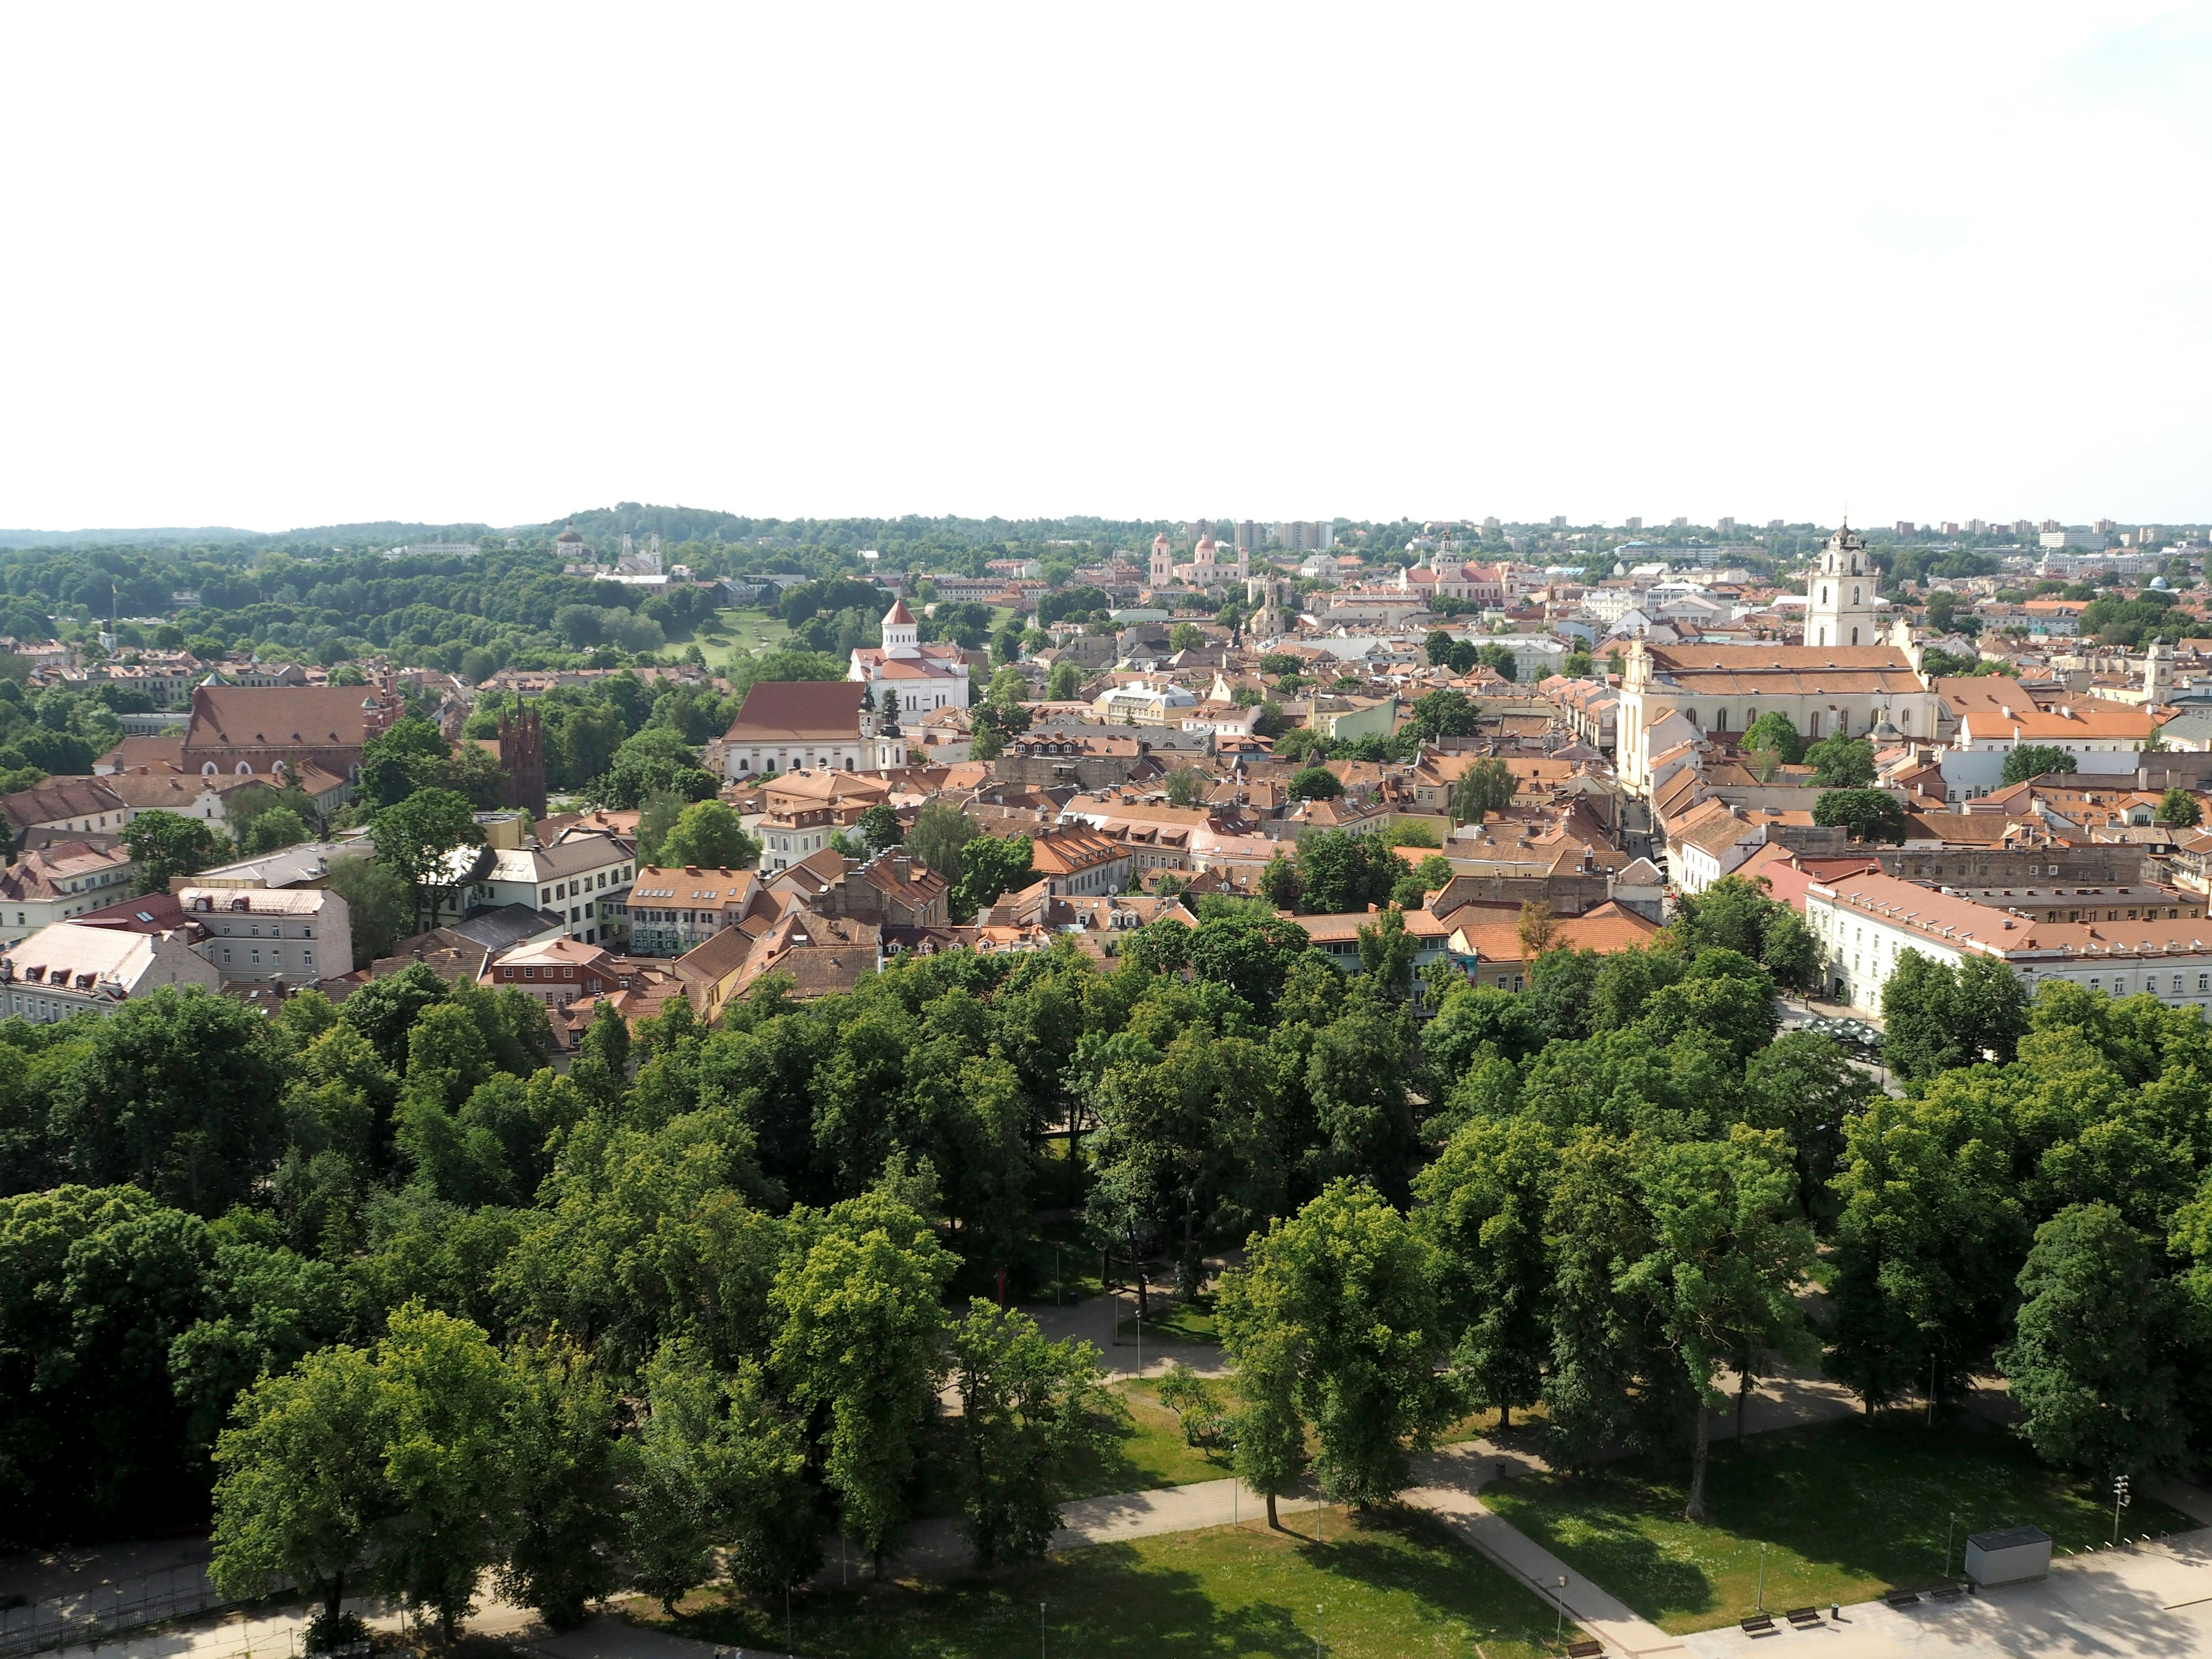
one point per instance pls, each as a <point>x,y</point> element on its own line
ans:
<point>1839,598</point>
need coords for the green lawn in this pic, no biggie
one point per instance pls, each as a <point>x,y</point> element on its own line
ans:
<point>1389,1588</point>
<point>1169,1321</point>
<point>1846,1510</point>
<point>1150,1450</point>
<point>732,633</point>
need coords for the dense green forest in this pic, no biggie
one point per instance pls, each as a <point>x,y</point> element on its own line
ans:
<point>702,1288</point>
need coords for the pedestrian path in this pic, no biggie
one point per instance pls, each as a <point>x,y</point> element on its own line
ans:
<point>2153,1602</point>
<point>1587,1603</point>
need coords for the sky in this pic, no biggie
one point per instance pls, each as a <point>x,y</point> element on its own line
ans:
<point>284,265</point>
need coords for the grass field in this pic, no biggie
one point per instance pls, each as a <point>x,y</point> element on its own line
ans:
<point>1846,1510</point>
<point>738,633</point>
<point>1395,1587</point>
<point>1152,1451</point>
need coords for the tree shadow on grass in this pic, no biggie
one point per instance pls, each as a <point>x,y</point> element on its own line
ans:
<point>1597,1522</point>
<point>1104,1602</point>
<point>1429,1562</point>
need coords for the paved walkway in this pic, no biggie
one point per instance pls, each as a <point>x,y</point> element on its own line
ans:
<point>2151,1602</point>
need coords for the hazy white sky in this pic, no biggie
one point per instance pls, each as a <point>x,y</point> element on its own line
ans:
<point>293,265</point>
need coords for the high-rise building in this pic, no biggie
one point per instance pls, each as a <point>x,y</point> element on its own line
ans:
<point>1977,526</point>
<point>2105,526</point>
<point>1489,526</point>
<point>1558,521</point>
<point>1950,528</point>
<point>2023,527</point>
<point>2149,535</point>
<point>1726,526</point>
<point>1250,532</point>
<point>2050,525</point>
<point>1306,535</point>
<point>1636,523</point>
<point>1904,527</point>
<point>1680,522</point>
<point>1774,524</point>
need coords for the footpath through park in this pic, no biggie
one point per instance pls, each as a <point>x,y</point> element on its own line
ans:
<point>2154,1600</point>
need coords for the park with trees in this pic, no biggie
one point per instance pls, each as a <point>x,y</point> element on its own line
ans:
<point>393,1303</point>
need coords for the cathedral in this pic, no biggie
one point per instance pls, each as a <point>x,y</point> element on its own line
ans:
<point>1842,681</point>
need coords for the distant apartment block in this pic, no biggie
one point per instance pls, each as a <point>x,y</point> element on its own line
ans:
<point>1306,535</point>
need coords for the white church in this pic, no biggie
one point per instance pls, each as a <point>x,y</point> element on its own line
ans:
<point>927,676</point>
<point>1845,680</point>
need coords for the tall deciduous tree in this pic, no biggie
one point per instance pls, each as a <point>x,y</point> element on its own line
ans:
<point>1483,1207</point>
<point>709,834</point>
<point>1028,1409</point>
<point>166,845</point>
<point>1727,1253</point>
<point>859,1349</point>
<point>302,1492</point>
<point>442,1409</point>
<point>1487,787</point>
<point>941,831</point>
<point>568,1469</point>
<point>180,1091</point>
<point>1342,1296</point>
<point>2093,1364</point>
<point>417,839</point>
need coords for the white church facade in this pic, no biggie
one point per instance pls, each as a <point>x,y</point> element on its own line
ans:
<point>1845,679</point>
<point>925,676</point>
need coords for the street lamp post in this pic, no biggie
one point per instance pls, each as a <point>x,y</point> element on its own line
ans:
<point>1559,1624</point>
<point>1947,1531</point>
<point>2120,1501</point>
<point>1762,1578</point>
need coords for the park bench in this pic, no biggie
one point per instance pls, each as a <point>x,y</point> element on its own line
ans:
<point>1947,1592</point>
<point>1903,1598</point>
<point>1585,1649</point>
<point>1759,1623</point>
<point>1803,1618</point>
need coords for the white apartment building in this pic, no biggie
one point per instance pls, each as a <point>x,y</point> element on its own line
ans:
<point>291,935</point>
<point>60,881</point>
<point>69,967</point>
<point>1863,924</point>
<point>582,878</point>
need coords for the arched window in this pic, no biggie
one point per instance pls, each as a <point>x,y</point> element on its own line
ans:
<point>1824,592</point>
<point>1823,639</point>
<point>207,771</point>
<point>1855,592</point>
<point>244,770</point>
<point>1855,636</point>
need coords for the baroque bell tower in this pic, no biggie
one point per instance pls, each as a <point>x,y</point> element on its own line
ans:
<point>1839,597</point>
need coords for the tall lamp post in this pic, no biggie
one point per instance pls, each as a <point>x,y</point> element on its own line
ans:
<point>2120,1501</point>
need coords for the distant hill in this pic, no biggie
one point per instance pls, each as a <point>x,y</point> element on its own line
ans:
<point>130,537</point>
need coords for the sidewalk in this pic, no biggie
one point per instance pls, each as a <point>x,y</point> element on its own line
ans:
<point>2149,1602</point>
